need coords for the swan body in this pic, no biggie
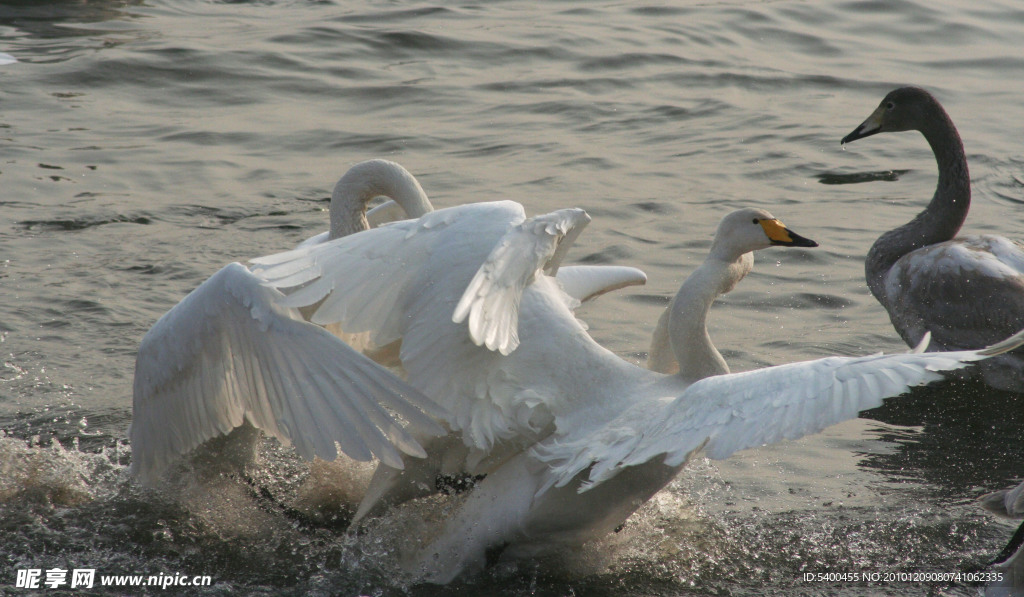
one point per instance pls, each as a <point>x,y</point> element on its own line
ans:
<point>967,291</point>
<point>229,356</point>
<point>571,437</point>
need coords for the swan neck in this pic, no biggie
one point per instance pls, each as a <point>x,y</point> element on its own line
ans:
<point>687,321</point>
<point>942,218</point>
<point>366,181</point>
<point>660,357</point>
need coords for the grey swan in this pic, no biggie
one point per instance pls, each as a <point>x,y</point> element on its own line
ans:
<point>967,291</point>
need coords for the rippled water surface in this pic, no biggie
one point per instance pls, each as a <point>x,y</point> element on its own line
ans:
<point>145,144</point>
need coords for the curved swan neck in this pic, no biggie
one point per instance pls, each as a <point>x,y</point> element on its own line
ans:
<point>367,180</point>
<point>687,321</point>
<point>942,218</point>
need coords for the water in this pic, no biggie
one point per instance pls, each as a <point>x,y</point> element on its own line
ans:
<point>145,144</point>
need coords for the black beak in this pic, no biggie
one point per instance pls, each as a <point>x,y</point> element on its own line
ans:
<point>795,240</point>
<point>871,126</point>
<point>859,133</point>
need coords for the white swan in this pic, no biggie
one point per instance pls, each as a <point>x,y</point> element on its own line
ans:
<point>721,271</point>
<point>967,291</point>
<point>230,354</point>
<point>572,437</point>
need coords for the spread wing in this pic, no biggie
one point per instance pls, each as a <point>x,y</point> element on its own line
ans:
<point>727,413</point>
<point>230,352</point>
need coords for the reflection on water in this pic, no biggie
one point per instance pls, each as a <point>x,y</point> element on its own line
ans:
<point>146,144</point>
<point>856,177</point>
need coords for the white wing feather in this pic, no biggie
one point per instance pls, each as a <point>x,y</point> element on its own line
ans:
<point>491,301</point>
<point>366,281</point>
<point>727,413</point>
<point>585,282</point>
<point>230,352</point>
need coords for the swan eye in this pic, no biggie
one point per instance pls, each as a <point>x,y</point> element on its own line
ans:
<point>756,221</point>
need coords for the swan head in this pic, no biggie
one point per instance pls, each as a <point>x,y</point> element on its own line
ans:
<point>903,109</point>
<point>747,230</point>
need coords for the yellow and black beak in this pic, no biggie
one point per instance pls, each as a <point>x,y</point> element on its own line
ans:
<point>784,237</point>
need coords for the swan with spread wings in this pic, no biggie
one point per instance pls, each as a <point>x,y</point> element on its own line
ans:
<point>232,358</point>
<point>571,438</point>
